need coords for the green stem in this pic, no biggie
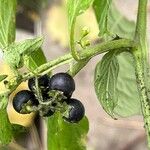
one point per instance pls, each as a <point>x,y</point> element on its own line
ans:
<point>105,47</point>
<point>140,34</point>
<point>77,67</point>
<point>72,43</point>
<point>49,66</point>
<point>141,60</point>
<point>86,54</point>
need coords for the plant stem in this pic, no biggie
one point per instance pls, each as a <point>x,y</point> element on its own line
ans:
<point>105,47</point>
<point>49,66</point>
<point>141,60</point>
<point>86,55</point>
<point>74,53</point>
<point>77,67</point>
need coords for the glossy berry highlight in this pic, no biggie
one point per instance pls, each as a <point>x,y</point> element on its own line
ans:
<point>22,98</point>
<point>43,83</point>
<point>62,82</point>
<point>76,111</point>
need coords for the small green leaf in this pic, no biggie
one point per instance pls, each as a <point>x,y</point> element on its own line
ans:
<point>105,82</point>
<point>26,47</point>
<point>63,135</point>
<point>30,45</point>
<point>6,134</point>
<point>7,22</point>
<point>2,77</point>
<point>12,58</point>
<point>101,8</point>
<point>128,96</point>
<point>14,53</point>
<point>36,59</point>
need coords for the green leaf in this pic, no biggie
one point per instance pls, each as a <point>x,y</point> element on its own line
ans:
<point>29,46</point>
<point>101,8</point>
<point>128,97</point>
<point>75,8</point>
<point>123,98</point>
<point>7,130</point>
<point>119,24</point>
<point>6,134</point>
<point>3,101</point>
<point>26,47</point>
<point>111,21</point>
<point>13,54</point>
<point>12,58</point>
<point>105,82</point>
<point>7,22</point>
<point>36,59</point>
<point>63,135</point>
<point>2,77</point>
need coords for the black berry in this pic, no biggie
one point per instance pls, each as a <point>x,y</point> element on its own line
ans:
<point>62,82</point>
<point>43,82</point>
<point>22,98</point>
<point>76,111</point>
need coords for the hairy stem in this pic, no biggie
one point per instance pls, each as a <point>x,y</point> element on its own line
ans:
<point>86,55</point>
<point>141,60</point>
<point>49,66</point>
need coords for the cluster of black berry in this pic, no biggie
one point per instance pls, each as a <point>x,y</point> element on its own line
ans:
<point>48,95</point>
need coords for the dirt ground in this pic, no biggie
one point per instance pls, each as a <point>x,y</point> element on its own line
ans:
<point>105,133</point>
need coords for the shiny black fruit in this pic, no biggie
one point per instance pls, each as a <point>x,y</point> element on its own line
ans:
<point>43,82</point>
<point>24,97</point>
<point>76,111</point>
<point>62,82</point>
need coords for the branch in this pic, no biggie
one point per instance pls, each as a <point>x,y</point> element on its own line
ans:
<point>77,67</point>
<point>140,33</point>
<point>86,55</point>
<point>141,61</point>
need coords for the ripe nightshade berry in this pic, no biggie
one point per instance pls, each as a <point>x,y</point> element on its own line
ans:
<point>62,82</point>
<point>23,97</point>
<point>43,83</point>
<point>76,111</point>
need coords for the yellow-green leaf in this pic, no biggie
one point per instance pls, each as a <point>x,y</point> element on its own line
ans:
<point>66,136</point>
<point>7,22</point>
